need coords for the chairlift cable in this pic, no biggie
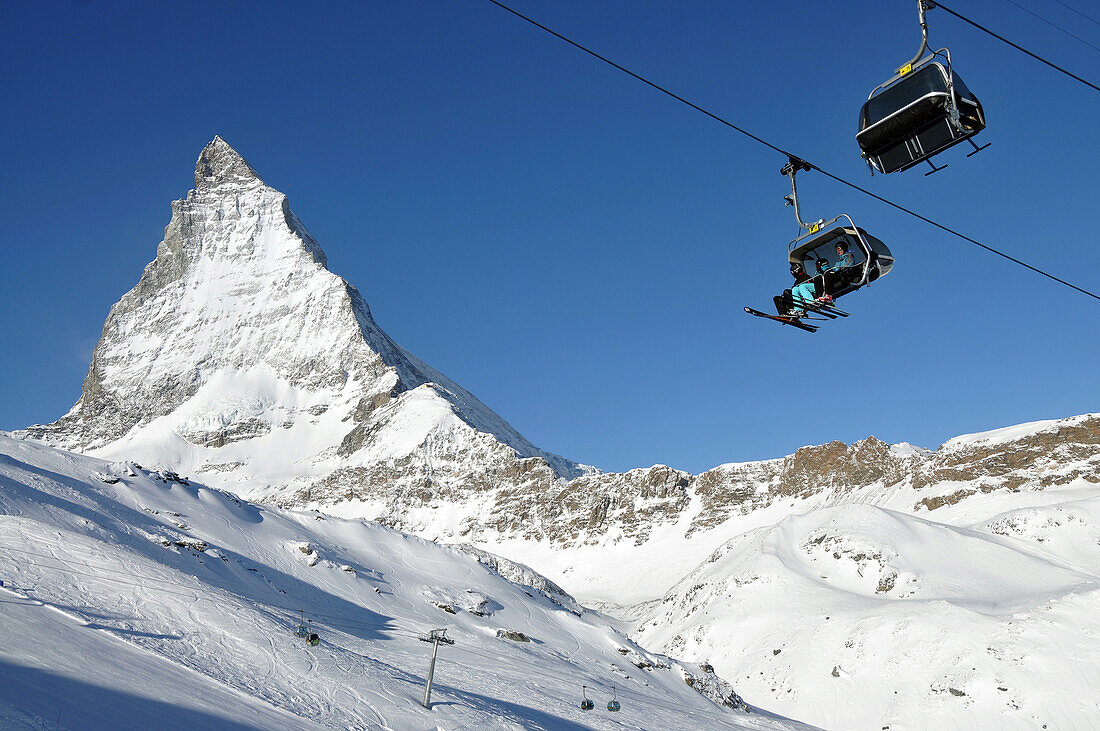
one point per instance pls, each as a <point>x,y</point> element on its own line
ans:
<point>1054,25</point>
<point>642,79</point>
<point>769,145</point>
<point>641,697</point>
<point>638,695</point>
<point>1075,10</point>
<point>952,231</point>
<point>1036,56</point>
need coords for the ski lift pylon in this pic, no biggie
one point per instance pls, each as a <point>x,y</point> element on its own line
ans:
<point>920,111</point>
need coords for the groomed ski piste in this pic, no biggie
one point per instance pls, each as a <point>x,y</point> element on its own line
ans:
<point>136,599</point>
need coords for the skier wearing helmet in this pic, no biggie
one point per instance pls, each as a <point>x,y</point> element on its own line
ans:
<point>802,291</point>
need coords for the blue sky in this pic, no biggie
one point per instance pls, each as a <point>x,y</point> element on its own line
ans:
<point>572,246</point>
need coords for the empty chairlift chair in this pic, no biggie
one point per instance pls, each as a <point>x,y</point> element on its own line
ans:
<point>918,115</point>
<point>919,112</point>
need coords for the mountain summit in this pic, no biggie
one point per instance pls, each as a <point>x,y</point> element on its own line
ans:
<point>240,356</point>
<point>219,164</point>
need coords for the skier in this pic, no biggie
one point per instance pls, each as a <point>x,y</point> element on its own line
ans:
<point>804,290</point>
<point>844,257</point>
<point>833,277</point>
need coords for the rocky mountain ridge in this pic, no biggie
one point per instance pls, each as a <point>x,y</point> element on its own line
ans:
<point>593,508</point>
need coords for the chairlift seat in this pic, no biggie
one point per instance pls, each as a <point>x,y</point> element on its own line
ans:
<point>908,120</point>
<point>872,257</point>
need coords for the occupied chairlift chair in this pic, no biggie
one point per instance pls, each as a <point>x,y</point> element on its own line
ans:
<point>871,259</point>
<point>919,112</point>
<point>613,704</point>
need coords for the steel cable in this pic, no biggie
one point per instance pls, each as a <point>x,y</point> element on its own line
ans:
<point>780,150</point>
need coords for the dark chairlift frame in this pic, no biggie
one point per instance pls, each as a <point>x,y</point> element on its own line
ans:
<point>586,704</point>
<point>930,110</point>
<point>613,704</point>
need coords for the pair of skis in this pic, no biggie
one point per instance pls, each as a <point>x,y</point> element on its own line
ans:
<point>828,312</point>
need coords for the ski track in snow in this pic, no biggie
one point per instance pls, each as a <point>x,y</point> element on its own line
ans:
<point>207,629</point>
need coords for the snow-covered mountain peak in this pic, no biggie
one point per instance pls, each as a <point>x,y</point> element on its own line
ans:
<point>220,165</point>
<point>239,355</point>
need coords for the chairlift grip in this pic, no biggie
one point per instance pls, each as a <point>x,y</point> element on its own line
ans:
<point>791,169</point>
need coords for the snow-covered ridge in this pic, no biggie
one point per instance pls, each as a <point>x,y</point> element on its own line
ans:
<point>904,618</point>
<point>1015,433</point>
<point>153,601</point>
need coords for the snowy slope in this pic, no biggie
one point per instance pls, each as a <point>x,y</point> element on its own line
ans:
<point>858,617</point>
<point>147,602</point>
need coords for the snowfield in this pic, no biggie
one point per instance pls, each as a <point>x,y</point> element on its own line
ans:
<point>135,599</point>
<point>996,625</point>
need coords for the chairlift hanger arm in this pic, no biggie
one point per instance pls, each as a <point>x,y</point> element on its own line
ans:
<point>922,7</point>
<point>794,164</point>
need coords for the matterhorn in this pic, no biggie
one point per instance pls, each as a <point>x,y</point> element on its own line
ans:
<point>241,359</point>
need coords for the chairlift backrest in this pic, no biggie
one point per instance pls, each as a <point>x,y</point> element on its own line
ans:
<point>903,92</point>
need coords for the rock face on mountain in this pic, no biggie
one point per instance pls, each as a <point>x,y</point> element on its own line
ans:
<point>239,354</point>
<point>240,359</point>
<point>628,507</point>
